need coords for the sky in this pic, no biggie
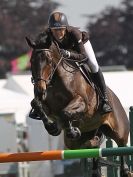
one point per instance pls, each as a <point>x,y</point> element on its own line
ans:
<point>75,9</point>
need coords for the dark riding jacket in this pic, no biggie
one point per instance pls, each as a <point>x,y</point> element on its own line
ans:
<point>73,40</point>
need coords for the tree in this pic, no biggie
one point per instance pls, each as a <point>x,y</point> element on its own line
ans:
<point>111,35</point>
<point>19,19</point>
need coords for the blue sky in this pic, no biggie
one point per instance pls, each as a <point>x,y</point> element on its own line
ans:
<point>74,9</point>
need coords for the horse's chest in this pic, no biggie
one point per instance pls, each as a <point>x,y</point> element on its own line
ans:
<point>69,79</point>
<point>57,99</point>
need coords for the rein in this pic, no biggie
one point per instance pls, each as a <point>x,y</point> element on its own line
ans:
<point>67,60</point>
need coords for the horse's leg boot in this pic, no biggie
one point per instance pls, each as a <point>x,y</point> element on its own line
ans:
<point>34,113</point>
<point>52,128</point>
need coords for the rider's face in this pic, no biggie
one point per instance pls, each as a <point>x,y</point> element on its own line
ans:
<point>58,33</point>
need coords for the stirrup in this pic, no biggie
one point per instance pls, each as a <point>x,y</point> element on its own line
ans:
<point>105,108</point>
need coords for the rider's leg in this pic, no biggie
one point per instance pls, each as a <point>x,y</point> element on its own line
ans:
<point>99,81</point>
<point>97,77</point>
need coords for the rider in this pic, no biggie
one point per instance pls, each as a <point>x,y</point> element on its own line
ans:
<point>68,38</point>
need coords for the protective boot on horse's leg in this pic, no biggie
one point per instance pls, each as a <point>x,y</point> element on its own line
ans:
<point>97,77</point>
<point>33,112</point>
<point>52,127</point>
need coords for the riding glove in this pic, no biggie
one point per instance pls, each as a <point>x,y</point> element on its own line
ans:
<point>65,53</point>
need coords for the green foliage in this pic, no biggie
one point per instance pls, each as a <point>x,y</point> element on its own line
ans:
<point>111,35</point>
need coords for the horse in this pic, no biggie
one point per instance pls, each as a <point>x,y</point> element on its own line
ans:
<point>65,101</point>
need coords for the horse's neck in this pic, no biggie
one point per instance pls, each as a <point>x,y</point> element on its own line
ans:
<point>73,81</point>
<point>55,52</point>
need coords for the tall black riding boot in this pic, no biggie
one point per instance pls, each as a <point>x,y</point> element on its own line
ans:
<point>99,81</point>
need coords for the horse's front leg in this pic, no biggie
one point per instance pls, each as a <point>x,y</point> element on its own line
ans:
<point>52,127</point>
<point>73,111</point>
<point>75,108</point>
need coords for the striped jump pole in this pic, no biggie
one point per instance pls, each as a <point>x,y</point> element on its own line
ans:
<point>65,154</point>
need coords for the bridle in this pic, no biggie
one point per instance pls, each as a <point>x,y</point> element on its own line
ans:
<point>53,70</point>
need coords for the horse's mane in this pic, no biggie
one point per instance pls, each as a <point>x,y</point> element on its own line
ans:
<point>54,48</point>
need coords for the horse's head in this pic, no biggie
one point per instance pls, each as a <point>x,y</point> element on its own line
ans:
<point>44,64</point>
<point>42,67</point>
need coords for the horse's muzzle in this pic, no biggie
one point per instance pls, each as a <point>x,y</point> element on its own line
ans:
<point>41,91</point>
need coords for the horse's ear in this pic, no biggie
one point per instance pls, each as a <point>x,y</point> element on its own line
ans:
<point>30,43</point>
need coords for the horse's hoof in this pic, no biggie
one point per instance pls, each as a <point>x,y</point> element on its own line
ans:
<point>52,129</point>
<point>73,133</point>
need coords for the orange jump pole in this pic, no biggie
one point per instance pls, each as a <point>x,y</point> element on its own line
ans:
<point>30,156</point>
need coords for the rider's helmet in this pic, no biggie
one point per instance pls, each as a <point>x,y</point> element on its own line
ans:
<point>57,20</point>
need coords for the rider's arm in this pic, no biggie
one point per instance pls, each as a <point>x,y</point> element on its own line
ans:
<point>80,50</point>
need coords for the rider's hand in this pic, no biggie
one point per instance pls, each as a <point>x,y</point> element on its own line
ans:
<point>65,53</point>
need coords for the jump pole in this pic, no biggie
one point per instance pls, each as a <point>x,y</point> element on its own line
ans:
<point>65,154</point>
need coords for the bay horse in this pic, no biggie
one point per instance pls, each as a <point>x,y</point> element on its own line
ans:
<point>65,101</point>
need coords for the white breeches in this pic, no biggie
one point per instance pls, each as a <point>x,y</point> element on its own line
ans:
<point>92,62</point>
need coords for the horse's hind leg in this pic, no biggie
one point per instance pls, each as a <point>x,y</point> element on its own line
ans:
<point>96,170</point>
<point>124,169</point>
<point>122,142</point>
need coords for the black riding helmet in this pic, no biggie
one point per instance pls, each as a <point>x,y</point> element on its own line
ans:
<point>57,20</point>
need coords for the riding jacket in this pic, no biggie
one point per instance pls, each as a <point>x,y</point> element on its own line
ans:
<point>73,40</point>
